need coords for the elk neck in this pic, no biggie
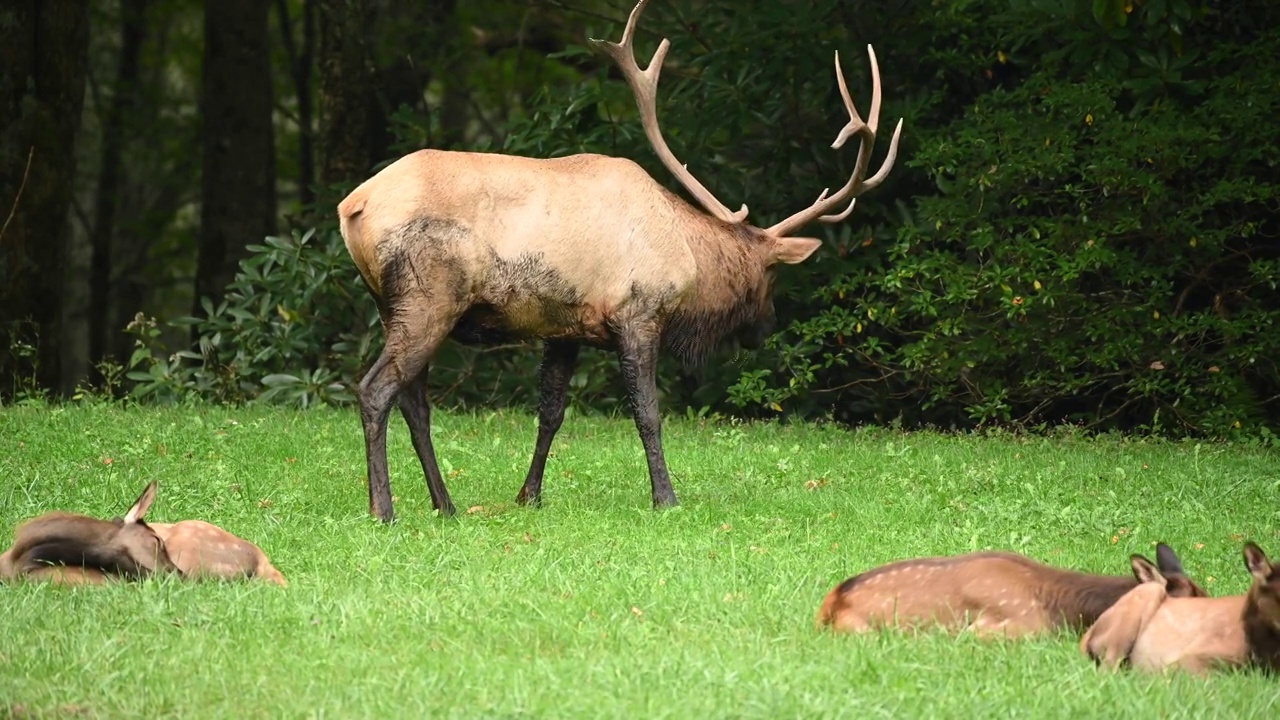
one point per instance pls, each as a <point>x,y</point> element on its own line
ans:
<point>1078,598</point>
<point>729,293</point>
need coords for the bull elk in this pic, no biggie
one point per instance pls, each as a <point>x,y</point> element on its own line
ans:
<point>66,548</point>
<point>988,593</point>
<point>572,251</point>
<point>1151,630</point>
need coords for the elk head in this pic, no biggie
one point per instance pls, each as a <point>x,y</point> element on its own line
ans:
<point>777,243</point>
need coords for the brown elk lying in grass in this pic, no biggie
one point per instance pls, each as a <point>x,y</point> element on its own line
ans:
<point>580,250</point>
<point>1152,630</point>
<point>989,593</point>
<point>203,550</point>
<point>72,549</point>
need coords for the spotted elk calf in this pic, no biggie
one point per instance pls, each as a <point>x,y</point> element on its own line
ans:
<point>578,250</point>
<point>988,593</point>
<point>1152,630</point>
<point>204,550</point>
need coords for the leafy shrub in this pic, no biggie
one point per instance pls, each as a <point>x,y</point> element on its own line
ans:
<point>1079,263</point>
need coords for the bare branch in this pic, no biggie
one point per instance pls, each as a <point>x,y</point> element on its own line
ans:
<point>17,198</point>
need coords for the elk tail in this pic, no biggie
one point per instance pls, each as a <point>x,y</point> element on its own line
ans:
<point>827,612</point>
<point>361,248</point>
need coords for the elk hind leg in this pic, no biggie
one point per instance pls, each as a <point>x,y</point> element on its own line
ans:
<point>412,340</point>
<point>559,358</point>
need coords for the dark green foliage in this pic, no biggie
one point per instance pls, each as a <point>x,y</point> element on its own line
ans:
<point>1081,227</point>
<point>295,323</point>
<point>1100,249</point>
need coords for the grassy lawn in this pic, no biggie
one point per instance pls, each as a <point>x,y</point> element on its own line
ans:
<point>595,606</point>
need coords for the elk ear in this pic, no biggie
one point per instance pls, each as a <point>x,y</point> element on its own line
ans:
<point>1257,562</point>
<point>1167,560</point>
<point>1144,571</point>
<point>141,505</point>
<point>792,250</point>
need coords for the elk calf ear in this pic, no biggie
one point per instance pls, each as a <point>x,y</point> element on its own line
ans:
<point>792,250</point>
<point>141,505</point>
<point>1257,562</point>
<point>1167,560</point>
<point>1144,571</point>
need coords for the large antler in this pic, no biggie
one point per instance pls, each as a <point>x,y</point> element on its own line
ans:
<point>644,84</point>
<point>866,132</point>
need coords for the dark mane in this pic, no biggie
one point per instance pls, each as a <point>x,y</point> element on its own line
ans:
<point>727,268</point>
<point>1079,598</point>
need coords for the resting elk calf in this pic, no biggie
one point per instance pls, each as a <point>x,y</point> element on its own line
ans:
<point>988,593</point>
<point>577,250</point>
<point>203,550</point>
<point>1151,630</point>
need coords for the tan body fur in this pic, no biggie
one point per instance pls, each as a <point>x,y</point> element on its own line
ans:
<point>988,593</point>
<point>508,207</point>
<point>203,550</point>
<point>1151,631</point>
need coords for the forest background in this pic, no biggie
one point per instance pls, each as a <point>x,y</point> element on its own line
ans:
<point>1081,227</point>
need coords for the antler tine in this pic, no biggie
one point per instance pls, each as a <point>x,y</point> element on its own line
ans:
<point>887,165</point>
<point>644,85</point>
<point>840,216</point>
<point>855,123</point>
<point>857,184</point>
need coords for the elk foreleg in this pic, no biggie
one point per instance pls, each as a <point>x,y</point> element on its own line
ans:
<point>559,358</point>
<point>638,356</point>
<point>416,409</point>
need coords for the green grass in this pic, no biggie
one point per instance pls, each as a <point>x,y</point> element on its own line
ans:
<point>595,606</point>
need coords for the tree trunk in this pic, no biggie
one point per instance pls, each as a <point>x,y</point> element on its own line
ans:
<point>102,280</point>
<point>239,198</point>
<point>346,120</point>
<point>43,58</point>
<point>301,61</point>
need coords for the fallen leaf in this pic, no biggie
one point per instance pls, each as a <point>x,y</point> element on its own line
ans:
<point>107,461</point>
<point>1115,539</point>
<point>475,509</point>
<point>637,611</point>
<point>1157,365</point>
<point>1199,546</point>
<point>264,503</point>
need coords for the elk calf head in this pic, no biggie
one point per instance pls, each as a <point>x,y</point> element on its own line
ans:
<point>77,549</point>
<point>1262,609</point>
<point>1149,630</point>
